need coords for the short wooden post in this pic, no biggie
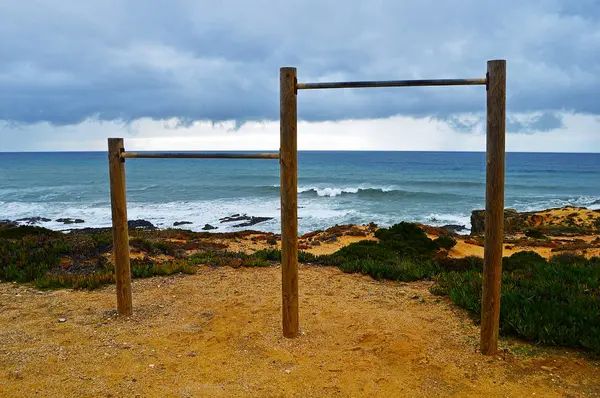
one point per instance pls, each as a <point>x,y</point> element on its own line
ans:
<point>118,204</point>
<point>494,205</point>
<point>289,201</point>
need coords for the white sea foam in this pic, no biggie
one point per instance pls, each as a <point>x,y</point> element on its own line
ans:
<point>314,212</point>
<point>439,219</point>
<point>337,191</point>
<point>163,215</point>
<point>591,202</point>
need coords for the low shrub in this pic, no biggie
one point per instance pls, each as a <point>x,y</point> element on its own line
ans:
<point>522,260</point>
<point>74,281</point>
<point>535,234</point>
<point>568,259</point>
<point>445,242</point>
<point>31,257</point>
<point>460,264</point>
<point>147,268</point>
<point>549,303</point>
<point>26,230</point>
<point>407,240</point>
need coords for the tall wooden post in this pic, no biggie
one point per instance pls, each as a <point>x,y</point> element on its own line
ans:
<point>118,204</point>
<point>289,201</point>
<point>494,205</point>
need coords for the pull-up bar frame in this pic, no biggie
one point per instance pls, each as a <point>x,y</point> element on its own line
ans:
<point>495,82</point>
<point>116,162</point>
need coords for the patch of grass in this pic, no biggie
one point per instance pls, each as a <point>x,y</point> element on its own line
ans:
<point>26,230</point>
<point>568,259</point>
<point>548,303</point>
<point>146,268</point>
<point>30,257</point>
<point>74,281</point>
<point>403,253</point>
<point>233,259</point>
<point>460,264</point>
<point>153,247</point>
<point>405,270</point>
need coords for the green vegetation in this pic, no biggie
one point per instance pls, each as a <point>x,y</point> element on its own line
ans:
<point>535,234</point>
<point>445,242</point>
<point>155,247</point>
<point>403,253</point>
<point>52,260</point>
<point>555,302</point>
<point>147,268</point>
<point>30,257</point>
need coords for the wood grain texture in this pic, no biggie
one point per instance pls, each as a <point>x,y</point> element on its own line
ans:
<point>289,201</point>
<point>118,203</point>
<point>494,206</point>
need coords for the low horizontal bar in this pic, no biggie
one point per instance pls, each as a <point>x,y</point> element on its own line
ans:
<point>180,155</point>
<point>393,83</point>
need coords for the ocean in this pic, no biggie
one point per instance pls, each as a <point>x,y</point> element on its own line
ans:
<point>340,187</point>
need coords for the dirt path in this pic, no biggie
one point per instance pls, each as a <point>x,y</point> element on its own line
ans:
<point>218,334</point>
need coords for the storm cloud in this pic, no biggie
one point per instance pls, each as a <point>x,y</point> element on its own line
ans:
<point>64,62</point>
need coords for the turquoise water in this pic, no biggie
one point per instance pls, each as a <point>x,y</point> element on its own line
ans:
<point>334,187</point>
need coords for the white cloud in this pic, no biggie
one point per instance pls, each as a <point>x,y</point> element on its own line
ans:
<point>578,133</point>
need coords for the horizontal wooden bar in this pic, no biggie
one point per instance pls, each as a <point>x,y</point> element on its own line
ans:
<point>393,83</point>
<point>191,155</point>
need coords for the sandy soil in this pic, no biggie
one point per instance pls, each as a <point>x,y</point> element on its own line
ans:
<point>217,333</point>
<point>463,249</point>
<point>580,216</point>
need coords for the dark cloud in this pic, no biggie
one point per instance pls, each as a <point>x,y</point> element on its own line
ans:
<point>64,61</point>
<point>538,123</point>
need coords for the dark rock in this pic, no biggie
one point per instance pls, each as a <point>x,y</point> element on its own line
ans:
<point>235,217</point>
<point>178,223</point>
<point>33,220</point>
<point>7,223</point>
<point>478,221</point>
<point>208,227</point>
<point>70,220</point>
<point>249,220</point>
<point>253,221</point>
<point>86,231</point>
<point>141,224</point>
<point>454,227</point>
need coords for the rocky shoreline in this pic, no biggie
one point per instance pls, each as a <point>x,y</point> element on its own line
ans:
<point>555,221</point>
<point>240,220</point>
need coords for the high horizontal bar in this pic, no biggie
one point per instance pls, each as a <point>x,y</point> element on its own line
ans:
<point>183,155</point>
<point>393,83</point>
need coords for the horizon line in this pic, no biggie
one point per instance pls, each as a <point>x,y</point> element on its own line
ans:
<point>299,150</point>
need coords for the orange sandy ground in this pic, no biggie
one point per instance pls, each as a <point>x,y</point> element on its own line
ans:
<point>218,333</point>
<point>462,248</point>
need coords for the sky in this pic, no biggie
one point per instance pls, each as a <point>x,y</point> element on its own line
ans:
<point>204,75</point>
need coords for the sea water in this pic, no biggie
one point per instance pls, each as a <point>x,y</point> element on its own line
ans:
<point>341,187</point>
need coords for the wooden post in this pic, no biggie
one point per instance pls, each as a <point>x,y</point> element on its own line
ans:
<point>118,204</point>
<point>289,201</point>
<point>494,205</point>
